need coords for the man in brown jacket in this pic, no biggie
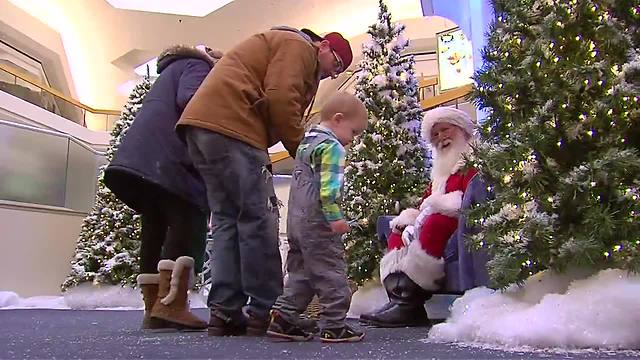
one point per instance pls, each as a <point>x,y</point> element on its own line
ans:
<point>255,97</point>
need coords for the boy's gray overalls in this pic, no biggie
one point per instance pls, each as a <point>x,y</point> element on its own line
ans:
<point>316,259</point>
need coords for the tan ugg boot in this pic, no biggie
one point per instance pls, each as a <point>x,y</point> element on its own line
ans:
<point>172,304</point>
<point>148,284</point>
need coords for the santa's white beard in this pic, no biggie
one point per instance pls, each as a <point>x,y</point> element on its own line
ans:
<point>446,161</point>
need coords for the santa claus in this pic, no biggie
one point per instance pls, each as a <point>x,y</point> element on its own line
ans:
<point>413,266</point>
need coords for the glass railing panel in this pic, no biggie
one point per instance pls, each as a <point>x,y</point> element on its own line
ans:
<point>82,171</point>
<point>33,166</point>
<point>43,167</point>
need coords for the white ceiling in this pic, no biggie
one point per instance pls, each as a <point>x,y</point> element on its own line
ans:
<point>104,44</point>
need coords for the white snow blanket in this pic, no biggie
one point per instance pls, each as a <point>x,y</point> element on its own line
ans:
<point>568,311</point>
<point>88,297</point>
<point>369,297</point>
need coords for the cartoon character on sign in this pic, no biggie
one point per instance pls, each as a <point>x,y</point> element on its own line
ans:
<point>456,60</point>
<point>456,52</point>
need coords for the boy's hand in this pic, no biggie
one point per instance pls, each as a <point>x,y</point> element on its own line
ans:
<point>340,227</point>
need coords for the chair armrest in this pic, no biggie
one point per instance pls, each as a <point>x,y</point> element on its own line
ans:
<point>383,229</point>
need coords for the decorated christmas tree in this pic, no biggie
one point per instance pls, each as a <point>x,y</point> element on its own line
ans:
<point>560,145</point>
<point>387,165</point>
<point>108,245</point>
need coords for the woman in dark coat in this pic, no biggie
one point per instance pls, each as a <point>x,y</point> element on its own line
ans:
<point>152,173</point>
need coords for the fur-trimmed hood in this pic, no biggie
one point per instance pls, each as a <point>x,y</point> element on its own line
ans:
<point>177,52</point>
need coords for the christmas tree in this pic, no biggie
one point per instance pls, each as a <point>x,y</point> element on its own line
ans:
<point>387,165</point>
<point>108,245</point>
<point>561,140</point>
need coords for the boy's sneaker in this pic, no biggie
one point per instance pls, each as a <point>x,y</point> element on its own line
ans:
<point>309,325</point>
<point>343,334</point>
<point>284,330</point>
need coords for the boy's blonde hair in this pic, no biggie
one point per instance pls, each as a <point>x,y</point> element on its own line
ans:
<point>342,102</point>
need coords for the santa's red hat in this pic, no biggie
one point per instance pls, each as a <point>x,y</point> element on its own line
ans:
<point>446,115</point>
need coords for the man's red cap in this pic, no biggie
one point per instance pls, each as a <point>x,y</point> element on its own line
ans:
<point>337,43</point>
<point>341,47</point>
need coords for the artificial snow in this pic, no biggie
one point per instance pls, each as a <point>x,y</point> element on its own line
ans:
<point>89,297</point>
<point>367,298</point>
<point>380,80</point>
<point>11,300</point>
<point>568,311</point>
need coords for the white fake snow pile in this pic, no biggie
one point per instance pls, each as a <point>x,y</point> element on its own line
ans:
<point>368,298</point>
<point>87,297</point>
<point>568,311</point>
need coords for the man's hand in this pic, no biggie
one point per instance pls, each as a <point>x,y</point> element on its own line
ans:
<point>340,227</point>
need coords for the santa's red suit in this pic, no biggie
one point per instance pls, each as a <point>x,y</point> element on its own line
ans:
<point>418,251</point>
<point>413,265</point>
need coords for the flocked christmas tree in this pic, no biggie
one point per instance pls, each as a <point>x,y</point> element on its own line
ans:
<point>108,245</point>
<point>561,142</point>
<point>387,165</point>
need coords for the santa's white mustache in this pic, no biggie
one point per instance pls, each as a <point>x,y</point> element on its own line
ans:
<point>444,143</point>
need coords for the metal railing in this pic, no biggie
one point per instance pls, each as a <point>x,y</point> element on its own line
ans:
<point>453,95</point>
<point>103,119</point>
<point>427,87</point>
<point>50,99</point>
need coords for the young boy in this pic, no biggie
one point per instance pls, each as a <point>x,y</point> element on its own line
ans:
<point>315,224</point>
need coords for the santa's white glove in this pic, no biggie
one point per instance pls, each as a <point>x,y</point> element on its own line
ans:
<point>408,235</point>
<point>406,217</point>
<point>395,226</point>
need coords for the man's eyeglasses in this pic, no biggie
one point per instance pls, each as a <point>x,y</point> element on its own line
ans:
<point>338,62</point>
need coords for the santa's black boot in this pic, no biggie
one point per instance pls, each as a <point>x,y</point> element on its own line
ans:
<point>407,300</point>
<point>389,282</point>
